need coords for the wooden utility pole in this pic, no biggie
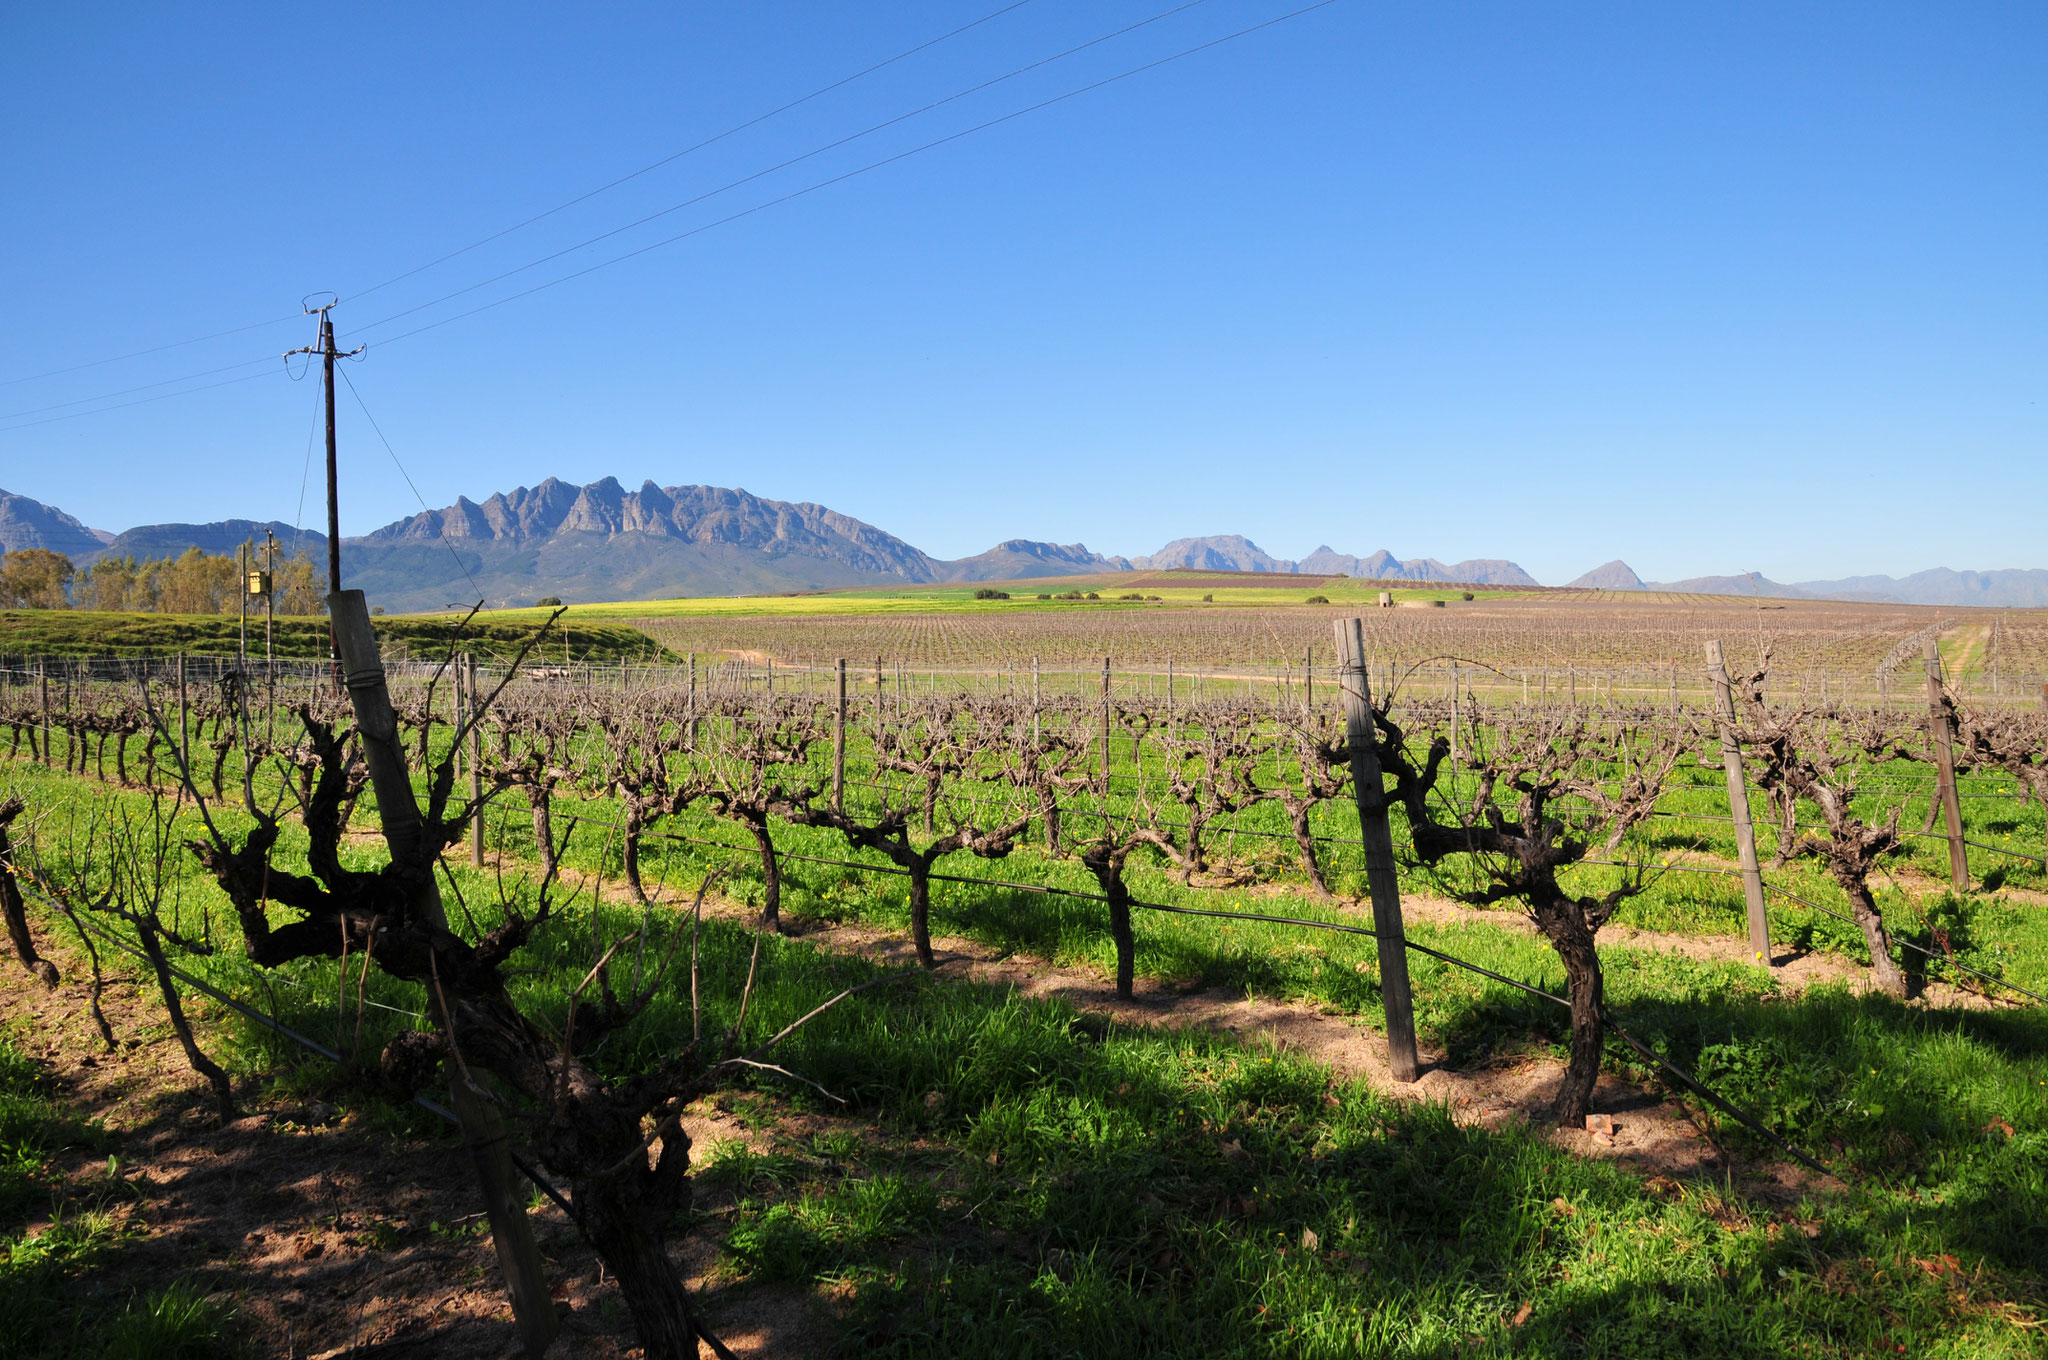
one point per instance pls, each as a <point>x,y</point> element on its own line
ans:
<point>1941,729</point>
<point>242,584</point>
<point>328,354</point>
<point>1369,790</point>
<point>327,357</point>
<point>483,1130</point>
<point>839,746</point>
<point>1738,809</point>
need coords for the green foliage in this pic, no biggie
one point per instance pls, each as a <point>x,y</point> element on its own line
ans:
<point>34,578</point>
<point>991,593</point>
<point>87,633</point>
<point>175,1323</point>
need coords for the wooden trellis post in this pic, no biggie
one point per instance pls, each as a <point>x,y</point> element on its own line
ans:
<point>1105,732</point>
<point>483,1130</point>
<point>476,761</point>
<point>1034,700</point>
<point>839,746</point>
<point>1738,809</point>
<point>1941,730</point>
<point>1378,837</point>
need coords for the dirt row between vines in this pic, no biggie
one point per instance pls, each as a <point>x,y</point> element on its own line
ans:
<point>321,1227</point>
<point>329,1235</point>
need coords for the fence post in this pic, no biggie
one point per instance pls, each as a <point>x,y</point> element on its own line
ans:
<point>1940,727</point>
<point>1105,732</point>
<point>1378,838</point>
<point>184,729</point>
<point>482,1128</point>
<point>43,679</point>
<point>839,746</point>
<point>1738,808</point>
<point>476,763</point>
<point>1034,700</point>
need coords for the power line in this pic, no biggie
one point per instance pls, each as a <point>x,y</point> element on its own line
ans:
<point>459,564</point>
<point>784,165</point>
<point>153,349</point>
<point>693,148</point>
<point>142,387</point>
<point>139,401</point>
<point>865,169</point>
<point>1164,14</point>
<point>537,217</point>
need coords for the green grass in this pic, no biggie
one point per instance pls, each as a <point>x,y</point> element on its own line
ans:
<point>959,599</point>
<point>1011,1182</point>
<point>51,1239</point>
<point>498,635</point>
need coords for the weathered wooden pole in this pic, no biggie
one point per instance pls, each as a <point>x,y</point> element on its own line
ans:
<point>43,681</point>
<point>690,727</point>
<point>1738,809</point>
<point>474,712</point>
<point>839,746</point>
<point>1034,700</point>
<point>1941,728</point>
<point>482,1128</point>
<point>1369,790</point>
<point>1105,729</point>
<point>184,727</point>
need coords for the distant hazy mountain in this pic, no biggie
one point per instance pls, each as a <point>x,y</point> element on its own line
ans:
<point>1384,566</point>
<point>602,542</point>
<point>1019,558</point>
<point>1748,583</point>
<point>219,538</point>
<point>1616,575</point>
<point>2015,588</point>
<point>26,523</point>
<point>1217,552</point>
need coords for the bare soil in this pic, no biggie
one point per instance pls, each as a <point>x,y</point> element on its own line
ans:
<point>329,1234</point>
<point>333,1236</point>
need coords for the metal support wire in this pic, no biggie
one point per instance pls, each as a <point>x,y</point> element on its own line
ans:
<point>1683,1077</point>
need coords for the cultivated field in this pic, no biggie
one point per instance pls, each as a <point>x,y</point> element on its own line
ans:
<point>1110,1058</point>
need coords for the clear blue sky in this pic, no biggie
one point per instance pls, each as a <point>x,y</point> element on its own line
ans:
<point>1721,288</point>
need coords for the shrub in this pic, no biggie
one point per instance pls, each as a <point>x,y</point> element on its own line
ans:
<point>1045,597</point>
<point>1465,595</point>
<point>1208,599</point>
<point>1134,595</point>
<point>1318,599</point>
<point>1093,596</point>
<point>547,601</point>
<point>990,593</point>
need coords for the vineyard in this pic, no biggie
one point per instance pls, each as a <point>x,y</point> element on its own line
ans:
<point>1132,980</point>
<point>1643,643</point>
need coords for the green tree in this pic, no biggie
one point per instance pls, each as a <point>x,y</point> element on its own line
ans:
<point>34,578</point>
<point>109,583</point>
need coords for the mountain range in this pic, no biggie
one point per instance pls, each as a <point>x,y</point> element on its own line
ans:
<point>2021,589</point>
<point>603,542</point>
